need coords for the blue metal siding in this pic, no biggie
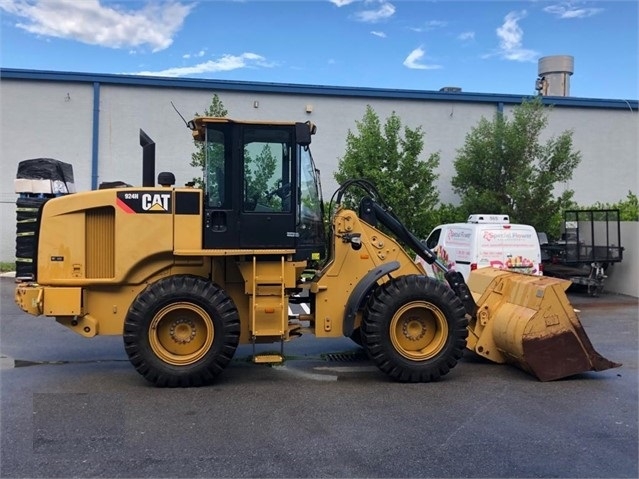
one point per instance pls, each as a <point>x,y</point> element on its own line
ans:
<point>96,136</point>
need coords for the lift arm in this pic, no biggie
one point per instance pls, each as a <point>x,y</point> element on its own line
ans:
<point>372,213</point>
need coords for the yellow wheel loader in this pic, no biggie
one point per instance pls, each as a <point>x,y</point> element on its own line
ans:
<point>186,274</point>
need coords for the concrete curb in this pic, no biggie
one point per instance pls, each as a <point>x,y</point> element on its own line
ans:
<point>9,274</point>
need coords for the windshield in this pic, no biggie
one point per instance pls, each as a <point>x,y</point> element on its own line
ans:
<point>310,225</point>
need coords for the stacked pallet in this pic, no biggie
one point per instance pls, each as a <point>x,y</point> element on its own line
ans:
<point>37,181</point>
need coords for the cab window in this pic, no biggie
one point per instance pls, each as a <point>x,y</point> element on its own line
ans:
<point>267,170</point>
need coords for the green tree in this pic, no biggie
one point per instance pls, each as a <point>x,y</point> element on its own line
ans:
<point>198,158</point>
<point>448,213</point>
<point>504,168</point>
<point>628,208</point>
<point>381,155</point>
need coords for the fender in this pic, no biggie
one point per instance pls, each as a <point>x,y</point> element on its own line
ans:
<point>360,291</point>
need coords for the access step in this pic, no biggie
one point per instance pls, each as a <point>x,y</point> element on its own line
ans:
<point>268,358</point>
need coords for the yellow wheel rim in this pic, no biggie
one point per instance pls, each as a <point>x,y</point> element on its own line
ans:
<point>419,330</point>
<point>181,334</point>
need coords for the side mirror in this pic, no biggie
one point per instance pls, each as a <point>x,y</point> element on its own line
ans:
<point>303,132</point>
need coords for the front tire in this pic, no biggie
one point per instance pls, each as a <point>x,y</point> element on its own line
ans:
<point>414,328</point>
<point>356,336</point>
<point>181,331</point>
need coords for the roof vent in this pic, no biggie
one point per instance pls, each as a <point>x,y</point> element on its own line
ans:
<point>554,75</point>
<point>497,219</point>
<point>451,89</point>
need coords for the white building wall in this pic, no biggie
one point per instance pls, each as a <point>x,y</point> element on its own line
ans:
<point>623,277</point>
<point>609,146</point>
<point>610,153</point>
<point>55,119</point>
<point>41,120</point>
<point>124,110</point>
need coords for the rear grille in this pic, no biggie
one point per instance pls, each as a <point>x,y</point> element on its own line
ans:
<point>100,243</point>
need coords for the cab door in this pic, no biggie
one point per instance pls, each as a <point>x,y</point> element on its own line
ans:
<point>269,189</point>
<point>221,200</point>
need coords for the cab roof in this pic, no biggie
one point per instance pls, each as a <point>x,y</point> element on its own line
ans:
<point>198,124</point>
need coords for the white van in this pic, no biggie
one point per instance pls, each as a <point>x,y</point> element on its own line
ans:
<point>485,240</point>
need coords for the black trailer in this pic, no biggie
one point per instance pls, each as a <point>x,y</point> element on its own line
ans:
<point>590,242</point>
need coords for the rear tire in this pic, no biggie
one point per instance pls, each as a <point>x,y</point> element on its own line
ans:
<point>181,331</point>
<point>414,328</point>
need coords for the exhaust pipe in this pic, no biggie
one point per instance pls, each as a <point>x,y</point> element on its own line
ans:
<point>148,159</point>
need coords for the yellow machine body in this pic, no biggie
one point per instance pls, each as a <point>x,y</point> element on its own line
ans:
<point>88,281</point>
<point>341,276</point>
<point>88,284</point>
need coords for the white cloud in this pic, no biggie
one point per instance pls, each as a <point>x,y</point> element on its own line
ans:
<point>412,61</point>
<point>341,3</point>
<point>194,55</point>
<point>385,10</point>
<point>571,10</point>
<point>224,64</point>
<point>430,25</point>
<point>466,36</point>
<point>378,34</point>
<point>510,39</point>
<point>88,21</point>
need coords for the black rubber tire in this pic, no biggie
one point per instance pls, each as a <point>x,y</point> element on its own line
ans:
<point>414,328</point>
<point>171,314</point>
<point>356,336</point>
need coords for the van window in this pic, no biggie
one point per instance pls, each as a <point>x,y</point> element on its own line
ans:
<point>433,239</point>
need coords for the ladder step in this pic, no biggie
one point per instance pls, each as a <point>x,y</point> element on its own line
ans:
<point>268,280</point>
<point>268,358</point>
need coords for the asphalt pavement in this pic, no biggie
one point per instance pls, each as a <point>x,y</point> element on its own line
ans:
<point>75,407</point>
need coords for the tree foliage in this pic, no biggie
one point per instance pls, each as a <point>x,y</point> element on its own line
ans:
<point>628,208</point>
<point>391,161</point>
<point>216,108</point>
<point>504,168</point>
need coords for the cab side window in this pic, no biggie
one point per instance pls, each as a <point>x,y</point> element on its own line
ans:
<point>267,171</point>
<point>217,172</point>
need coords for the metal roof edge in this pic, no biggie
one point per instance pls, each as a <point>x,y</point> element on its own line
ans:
<point>291,88</point>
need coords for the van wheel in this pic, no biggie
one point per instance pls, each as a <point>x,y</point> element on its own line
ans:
<point>181,331</point>
<point>414,328</point>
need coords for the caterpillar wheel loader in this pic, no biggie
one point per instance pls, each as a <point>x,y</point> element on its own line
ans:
<point>186,274</point>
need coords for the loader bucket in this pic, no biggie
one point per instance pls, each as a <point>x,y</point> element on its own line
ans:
<point>529,322</point>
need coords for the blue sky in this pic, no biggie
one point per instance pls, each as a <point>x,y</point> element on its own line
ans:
<point>480,46</point>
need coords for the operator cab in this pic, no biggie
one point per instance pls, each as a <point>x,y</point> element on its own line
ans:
<point>261,187</point>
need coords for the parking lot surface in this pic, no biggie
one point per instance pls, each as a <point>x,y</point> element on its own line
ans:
<point>75,407</point>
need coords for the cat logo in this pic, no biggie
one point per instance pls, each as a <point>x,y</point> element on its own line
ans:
<point>132,202</point>
<point>156,202</point>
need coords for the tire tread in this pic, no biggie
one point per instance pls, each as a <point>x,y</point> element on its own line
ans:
<point>383,303</point>
<point>190,288</point>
